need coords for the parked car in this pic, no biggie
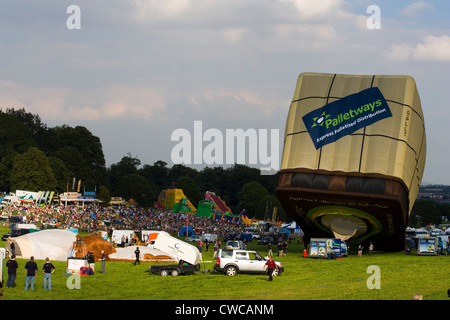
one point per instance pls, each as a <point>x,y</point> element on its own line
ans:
<point>255,235</point>
<point>232,262</point>
<point>234,244</point>
<point>246,236</point>
<point>266,240</point>
<point>230,236</point>
<point>194,238</point>
<point>210,237</point>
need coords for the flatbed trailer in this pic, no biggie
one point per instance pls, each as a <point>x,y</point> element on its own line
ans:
<point>174,269</point>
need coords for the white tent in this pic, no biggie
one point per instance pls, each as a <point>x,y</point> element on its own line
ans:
<point>54,244</point>
<point>293,228</point>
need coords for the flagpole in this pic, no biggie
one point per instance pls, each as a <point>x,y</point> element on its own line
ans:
<point>187,227</point>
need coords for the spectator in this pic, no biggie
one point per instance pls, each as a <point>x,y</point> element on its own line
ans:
<point>30,273</point>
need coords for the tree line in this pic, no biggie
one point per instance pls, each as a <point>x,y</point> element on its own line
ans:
<point>36,157</point>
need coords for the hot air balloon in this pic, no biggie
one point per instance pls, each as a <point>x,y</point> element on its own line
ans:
<point>353,157</point>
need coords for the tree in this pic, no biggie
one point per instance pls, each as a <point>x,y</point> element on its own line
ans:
<point>268,203</point>
<point>444,211</point>
<point>157,174</point>
<point>61,173</point>
<point>135,186</point>
<point>423,213</point>
<point>190,189</point>
<point>250,195</point>
<point>127,165</point>
<point>104,196</point>
<point>81,153</point>
<point>31,171</point>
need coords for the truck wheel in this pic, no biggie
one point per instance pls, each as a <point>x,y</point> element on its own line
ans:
<point>164,273</point>
<point>175,273</point>
<point>231,271</point>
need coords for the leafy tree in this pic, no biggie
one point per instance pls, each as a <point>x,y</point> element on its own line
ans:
<point>61,173</point>
<point>127,165</point>
<point>179,170</point>
<point>157,175</point>
<point>250,195</point>
<point>190,189</point>
<point>81,152</point>
<point>444,210</point>
<point>135,186</point>
<point>31,171</point>
<point>266,206</point>
<point>104,196</point>
<point>423,213</point>
<point>15,136</point>
<point>212,179</point>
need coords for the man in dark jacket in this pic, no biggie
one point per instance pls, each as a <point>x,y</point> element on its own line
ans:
<point>30,273</point>
<point>137,252</point>
<point>12,266</point>
<point>48,269</point>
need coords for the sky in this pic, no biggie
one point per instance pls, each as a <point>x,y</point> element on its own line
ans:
<point>135,72</point>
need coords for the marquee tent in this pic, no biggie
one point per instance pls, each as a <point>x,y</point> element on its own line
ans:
<point>52,243</point>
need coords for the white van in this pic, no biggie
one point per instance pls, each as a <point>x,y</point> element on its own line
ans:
<point>117,235</point>
<point>211,237</point>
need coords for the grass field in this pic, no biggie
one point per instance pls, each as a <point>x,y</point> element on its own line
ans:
<point>401,276</point>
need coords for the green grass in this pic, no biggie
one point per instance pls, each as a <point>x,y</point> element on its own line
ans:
<point>304,279</point>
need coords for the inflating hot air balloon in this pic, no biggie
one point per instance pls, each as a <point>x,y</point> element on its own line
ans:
<point>353,158</point>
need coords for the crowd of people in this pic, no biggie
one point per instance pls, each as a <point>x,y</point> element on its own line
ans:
<point>96,218</point>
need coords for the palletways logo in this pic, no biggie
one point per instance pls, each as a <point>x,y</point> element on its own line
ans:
<point>345,116</point>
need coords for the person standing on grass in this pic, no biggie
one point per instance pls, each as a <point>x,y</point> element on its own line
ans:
<point>13,248</point>
<point>137,252</point>
<point>103,260</point>
<point>12,266</point>
<point>271,265</point>
<point>30,273</point>
<point>370,249</point>
<point>48,269</point>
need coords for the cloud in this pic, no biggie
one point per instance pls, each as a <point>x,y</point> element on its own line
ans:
<point>106,103</point>
<point>433,48</point>
<point>312,9</point>
<point>415,8</point>
<point>144,9</point>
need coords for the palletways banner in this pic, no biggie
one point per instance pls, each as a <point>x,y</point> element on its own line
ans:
<point>345,116</point>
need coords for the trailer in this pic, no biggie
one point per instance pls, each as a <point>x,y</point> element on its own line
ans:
<point>427,246</point>
<point>174,269</point>
<point>327,248</point>
<point>187,256</point>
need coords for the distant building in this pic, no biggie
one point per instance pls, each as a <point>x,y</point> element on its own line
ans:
<point>439,193</point>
